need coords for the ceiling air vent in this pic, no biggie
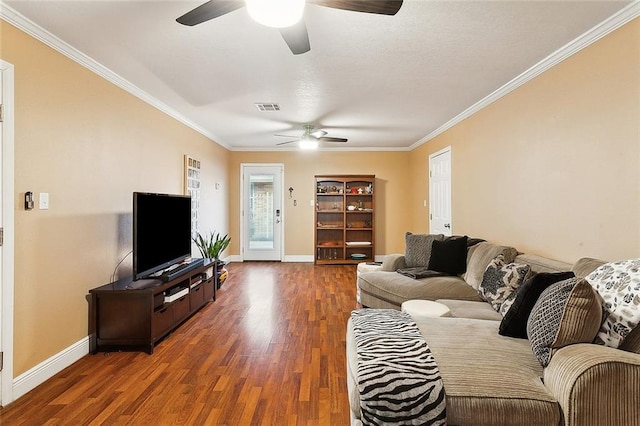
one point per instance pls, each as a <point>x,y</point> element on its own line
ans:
<point>266,106</point>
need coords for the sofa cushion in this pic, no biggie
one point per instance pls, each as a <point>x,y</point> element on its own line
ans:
<point>500,280</point>
<point>500,385</point>
<point>393,262</point>
<point>619,285</point>
<point>418,248</point>
<point>566,313</point>
<point>585,266</point>
<point>392,289</point>
<point>543,264</point>
<point>469,309</point>
<point>449,256</point>
<point>479,256</point>
<point>514,323</point>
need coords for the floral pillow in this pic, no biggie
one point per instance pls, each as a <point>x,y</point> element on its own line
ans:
<point>618,283</point>
<point>500,281</point>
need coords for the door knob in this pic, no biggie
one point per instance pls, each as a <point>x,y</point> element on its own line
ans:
<point>447,225</point>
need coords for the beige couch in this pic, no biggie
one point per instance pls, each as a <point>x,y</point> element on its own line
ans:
<point>493,380</point>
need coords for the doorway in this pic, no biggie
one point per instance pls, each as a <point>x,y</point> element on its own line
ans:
<point>440,192</point>
<point>261,211</point>
<point>6,223</point>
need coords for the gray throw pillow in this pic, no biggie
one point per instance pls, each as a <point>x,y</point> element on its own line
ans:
<point>418,248</point>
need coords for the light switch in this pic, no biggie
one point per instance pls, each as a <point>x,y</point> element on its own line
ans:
<point>311,203</point>
<point>44,200</point>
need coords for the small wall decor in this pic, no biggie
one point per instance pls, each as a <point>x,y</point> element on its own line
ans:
<point>192,187</point>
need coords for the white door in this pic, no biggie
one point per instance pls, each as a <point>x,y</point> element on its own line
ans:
<point>1,226</point>
<point>440,192</point>
<point>6,222</point>
<point>261,211</point>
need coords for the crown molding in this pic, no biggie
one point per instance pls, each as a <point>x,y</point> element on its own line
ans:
<point>607,26</point>
<point>319,149</point>
<point>22,23</point>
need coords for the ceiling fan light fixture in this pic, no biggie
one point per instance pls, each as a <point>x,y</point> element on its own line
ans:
<point>276,13</point>
<point>308,143</point>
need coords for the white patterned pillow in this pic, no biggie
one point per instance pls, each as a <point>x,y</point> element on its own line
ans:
<point>500,281</point>
<point>618,283</point>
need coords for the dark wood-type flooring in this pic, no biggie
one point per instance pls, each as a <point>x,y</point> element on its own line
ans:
<point>269,351</point>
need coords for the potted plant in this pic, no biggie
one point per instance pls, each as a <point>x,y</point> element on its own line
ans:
<point>211,246</point>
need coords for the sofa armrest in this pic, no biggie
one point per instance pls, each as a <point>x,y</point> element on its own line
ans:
<point>393,262</point>
<point>595,385</point>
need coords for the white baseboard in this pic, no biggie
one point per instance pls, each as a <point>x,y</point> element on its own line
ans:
<point>299,258</point>
<point>49,367</point>
<point>308,258</point>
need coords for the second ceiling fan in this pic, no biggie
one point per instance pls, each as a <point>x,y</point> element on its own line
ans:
<point>310,139</point>
<point>293,31</point>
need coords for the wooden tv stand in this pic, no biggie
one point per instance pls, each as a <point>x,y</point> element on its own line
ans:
<point>133,315</point>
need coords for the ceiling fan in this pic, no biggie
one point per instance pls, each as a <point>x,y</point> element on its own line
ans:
<point>310,139</point>
<point>286,15</point>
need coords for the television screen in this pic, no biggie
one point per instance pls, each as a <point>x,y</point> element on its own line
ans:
<point>161,232</point>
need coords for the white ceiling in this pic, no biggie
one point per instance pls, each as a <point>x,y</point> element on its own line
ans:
<point>383,82</point>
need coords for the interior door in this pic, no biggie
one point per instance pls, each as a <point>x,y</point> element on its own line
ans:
<point>261,211</point>
<point>440,192</point>
<point>7,206</point>
<point>1,223</point>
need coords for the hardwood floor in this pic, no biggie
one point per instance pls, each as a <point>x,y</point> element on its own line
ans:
<point>269,351</point>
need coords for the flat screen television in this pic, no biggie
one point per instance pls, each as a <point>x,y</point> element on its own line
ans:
<point>161,232</point>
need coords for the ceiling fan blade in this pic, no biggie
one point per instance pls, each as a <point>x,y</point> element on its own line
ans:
<point>286,136</point>
<point>209,10</point>
<point>381,7</point>
<point>297,38</point>
<point>330,139</point>
<point>284,143</point>
<point>318,133</point>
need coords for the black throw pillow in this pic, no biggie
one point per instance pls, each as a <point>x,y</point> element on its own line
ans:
<point>514,322</point>
<point>449,256</point>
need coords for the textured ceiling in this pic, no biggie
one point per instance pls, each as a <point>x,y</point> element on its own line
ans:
<point>383,82</point>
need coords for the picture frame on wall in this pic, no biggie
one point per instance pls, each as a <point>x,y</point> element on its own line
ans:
<point>192,188</point>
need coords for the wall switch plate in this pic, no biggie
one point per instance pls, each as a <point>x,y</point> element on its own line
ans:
<point>43,199</point>
<point>311,203</point>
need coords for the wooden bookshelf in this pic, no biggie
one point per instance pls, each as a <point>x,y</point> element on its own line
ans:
<point>344,219</point>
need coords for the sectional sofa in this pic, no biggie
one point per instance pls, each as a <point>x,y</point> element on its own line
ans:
<point>493,379</point>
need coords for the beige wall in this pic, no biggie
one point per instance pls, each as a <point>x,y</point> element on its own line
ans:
<point>89,144</point>
<point>553,167</point>
<point>392,183</point>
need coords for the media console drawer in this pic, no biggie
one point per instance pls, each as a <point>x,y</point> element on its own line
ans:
<point>162,321</point>
<point>196,296</point>
<point>181,308</point>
